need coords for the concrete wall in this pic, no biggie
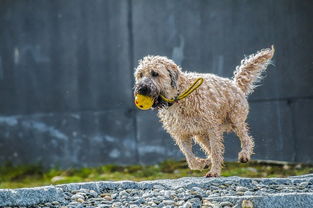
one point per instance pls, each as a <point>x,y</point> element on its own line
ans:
<point>66,75</point>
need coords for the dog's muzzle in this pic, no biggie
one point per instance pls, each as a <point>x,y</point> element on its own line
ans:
<point>147,87</point>
<point>144,90</point>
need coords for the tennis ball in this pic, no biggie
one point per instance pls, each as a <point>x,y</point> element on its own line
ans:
<point>143,102</point>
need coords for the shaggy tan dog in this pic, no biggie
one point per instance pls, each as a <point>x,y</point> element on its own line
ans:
<point>219,105</point>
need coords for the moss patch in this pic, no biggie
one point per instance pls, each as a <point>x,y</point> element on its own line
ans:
<point>35,175</point>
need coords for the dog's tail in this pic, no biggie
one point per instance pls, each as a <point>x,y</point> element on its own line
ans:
<point>250,71</point>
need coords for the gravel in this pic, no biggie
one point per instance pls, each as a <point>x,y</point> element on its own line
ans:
<point>230,192</point>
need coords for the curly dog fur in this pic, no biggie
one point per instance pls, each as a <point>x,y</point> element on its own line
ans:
<point>219,105</point>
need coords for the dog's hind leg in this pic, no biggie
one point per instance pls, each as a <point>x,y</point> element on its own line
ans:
<point>217,152</point>
<point>185,145</point>
<point>247,144</point>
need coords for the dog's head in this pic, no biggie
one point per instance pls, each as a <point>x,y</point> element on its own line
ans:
<point>155,76</point>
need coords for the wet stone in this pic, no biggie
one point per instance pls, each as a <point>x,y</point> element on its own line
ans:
<point>241,189</point>
<point>225,204</point>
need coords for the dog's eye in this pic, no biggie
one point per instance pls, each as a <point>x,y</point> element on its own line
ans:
<point>140,75</point>
<point>154,74</point>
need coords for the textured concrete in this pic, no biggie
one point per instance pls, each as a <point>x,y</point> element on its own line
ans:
<point>271,126</point>
<point>213,36</point>
<point>64,56</point>
<point>33,196</point>
<point>69,139</point>
<point>154,142</point>
<point>303,120</point>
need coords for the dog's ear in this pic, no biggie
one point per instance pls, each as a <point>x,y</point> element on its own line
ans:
<point>174,77</point>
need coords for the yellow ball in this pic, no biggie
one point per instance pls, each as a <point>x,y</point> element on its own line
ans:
<point>143,102</point>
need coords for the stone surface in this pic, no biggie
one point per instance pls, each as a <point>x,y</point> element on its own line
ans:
<point>183,192</point>
<point>30,196</point>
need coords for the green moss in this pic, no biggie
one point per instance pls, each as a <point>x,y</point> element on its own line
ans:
<point>34,175</point>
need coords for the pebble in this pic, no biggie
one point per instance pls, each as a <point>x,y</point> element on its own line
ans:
<point>139,201</point>
<point>247,204</point>
<point>117,204</point>
<point>179,203</point>
<point>241,189</point>
<point>196,201</point>
<point>108,198</point>
<point>180,190</point>
<point>303,184</point>
<point>158,187</point>
<point>168,202</point>
<point>93,193</point>
<point>240,193</point>
<point>197,189</point>
<point>103,206</point>
<point>248,193</point>
<point>80,200</point>
<point>73,203</point>
<point>114,196</point>
<point>77,196</point>
<point>146,195</point>
<point>226,203</point>
<point>123,194</point>
<point>187,205</point>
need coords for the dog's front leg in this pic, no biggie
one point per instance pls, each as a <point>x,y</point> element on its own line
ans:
<point>217,153</point>
<point>204,142</point>
<point>185,145</point>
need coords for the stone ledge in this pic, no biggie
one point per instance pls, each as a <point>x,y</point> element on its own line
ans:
<point>263,192</point>
<point>280,200</point>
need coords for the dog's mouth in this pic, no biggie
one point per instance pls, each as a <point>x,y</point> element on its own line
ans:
<point>157,102</point>
<point>160,103</point>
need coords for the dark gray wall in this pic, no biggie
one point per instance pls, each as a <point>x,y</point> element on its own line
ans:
<point>66,75</point>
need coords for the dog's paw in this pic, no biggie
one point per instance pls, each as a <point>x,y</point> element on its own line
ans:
<point>211,174</point>
<point>205,163</point>
<point>199,164</point>
<point>196,166</point>
<point>243,157</point>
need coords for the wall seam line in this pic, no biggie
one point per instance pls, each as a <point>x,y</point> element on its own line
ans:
<point>131,63</point>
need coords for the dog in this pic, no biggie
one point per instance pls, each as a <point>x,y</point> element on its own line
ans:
<point>218,105</point>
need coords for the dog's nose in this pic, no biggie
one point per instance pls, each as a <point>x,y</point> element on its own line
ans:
<point>144,90</point>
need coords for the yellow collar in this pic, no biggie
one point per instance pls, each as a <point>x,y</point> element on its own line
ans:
<point>187,92</point>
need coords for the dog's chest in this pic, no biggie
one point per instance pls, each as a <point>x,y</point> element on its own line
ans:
<point>182,122</point>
